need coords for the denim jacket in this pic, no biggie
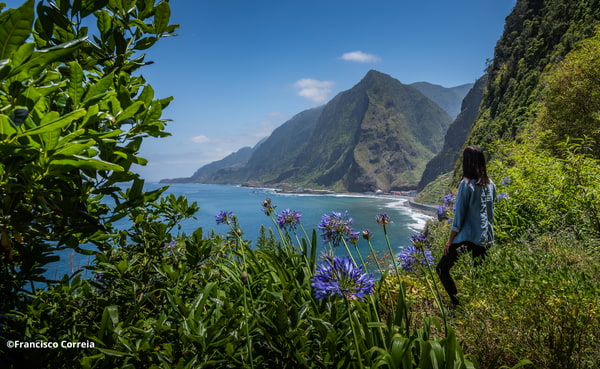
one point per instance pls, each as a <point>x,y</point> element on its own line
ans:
<point>474,213</point>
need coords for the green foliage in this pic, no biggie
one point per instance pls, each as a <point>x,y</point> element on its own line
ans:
<point>168,300</point>
<point>571,107</point>
<point>536,296</point>
<point>536,36</point>
<point>73,116</point>
<point>536,299</point>
<point>547,194</point>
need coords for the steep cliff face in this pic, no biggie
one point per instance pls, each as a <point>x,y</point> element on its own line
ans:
<point>456,136</point>
<point>448,99</point>
<point>537,34</point>
<point>377,135</point>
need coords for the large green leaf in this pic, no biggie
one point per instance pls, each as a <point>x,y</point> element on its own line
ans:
<point>6,127</point>
<point>15,28</point>
<point>130,111</point>
<point>41,58</point>
<point>82,162</point>
<point>22,54</point>
<point>99,89</point>
<point>104,24</point>
<point>147,95</point>
<point>90,6</point>
<point>59,123</point>
<point>74,148</point>
<point>75,83</point>
<point>161,17</point>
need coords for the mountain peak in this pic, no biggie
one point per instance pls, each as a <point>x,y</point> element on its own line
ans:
<point>378,135</point>
<point>374,76</point>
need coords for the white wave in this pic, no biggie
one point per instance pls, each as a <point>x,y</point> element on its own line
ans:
<point>418,218</point>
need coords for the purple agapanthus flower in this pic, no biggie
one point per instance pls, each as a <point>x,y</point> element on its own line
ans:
<point>411,257</point>
<point>223,217</point>
<point>340,276</point>
<point>99,278</point>
<point>288,219</point>
<point>367,234</point>
<point>419,240</point>
<point>441,212</point>
<point>449,206</point>
<point>505,181</point>
<point>382,219</point>
<point>171,245</point>
<point>353,236</point>
<point>268,208</point>
<point>502,196</point>
<point>449,199</point>
<point>336,227</point>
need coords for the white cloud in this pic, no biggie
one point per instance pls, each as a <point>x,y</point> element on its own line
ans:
<point>315,90</point>
<point>200,139</point>
<point>360,57</point>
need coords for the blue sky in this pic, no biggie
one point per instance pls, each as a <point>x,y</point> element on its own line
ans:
<point>238,69</point>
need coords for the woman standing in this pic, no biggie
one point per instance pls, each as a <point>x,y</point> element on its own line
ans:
<point>472,227</point>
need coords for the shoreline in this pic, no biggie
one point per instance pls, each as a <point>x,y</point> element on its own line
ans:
<point>425,211</point>
<point>430,210</point>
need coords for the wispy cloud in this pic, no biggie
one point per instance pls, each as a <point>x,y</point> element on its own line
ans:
<point>200,139</point>
<point>360,57</point>
<point>315,90</point>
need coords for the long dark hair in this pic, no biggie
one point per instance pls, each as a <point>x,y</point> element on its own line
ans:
<point>474,165</point>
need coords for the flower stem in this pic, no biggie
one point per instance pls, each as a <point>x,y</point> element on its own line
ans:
<point>402,296</point>
<point>354,334</point>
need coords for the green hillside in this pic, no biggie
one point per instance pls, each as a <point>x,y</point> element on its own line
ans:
<point>379,135</point>
<point>537,35</point>
<point>537,295</point>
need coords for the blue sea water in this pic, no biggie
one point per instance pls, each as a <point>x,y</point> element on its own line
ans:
<point>246,204</point>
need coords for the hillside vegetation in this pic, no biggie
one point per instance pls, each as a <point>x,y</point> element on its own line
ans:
<point>538,296</point>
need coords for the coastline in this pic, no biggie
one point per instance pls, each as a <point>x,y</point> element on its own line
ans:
<point>420,212</point>
<point>430,210</point>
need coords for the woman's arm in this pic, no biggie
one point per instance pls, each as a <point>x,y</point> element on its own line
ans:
<point>450,241</point>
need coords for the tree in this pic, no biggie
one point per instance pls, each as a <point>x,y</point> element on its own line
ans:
<point>72,119</point>
<point>571,108</point>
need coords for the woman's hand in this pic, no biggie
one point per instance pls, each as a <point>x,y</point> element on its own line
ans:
<point>450,242</point>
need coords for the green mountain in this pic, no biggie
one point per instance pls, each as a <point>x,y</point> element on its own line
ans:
<point>456,136</point>
<point>528,59</point>
<point>237,158</point>
<point>448,99</point>
<point>537,36</point>
<point>378,135</point>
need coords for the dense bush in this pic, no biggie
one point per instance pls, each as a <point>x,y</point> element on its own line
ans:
<point>74,115</point>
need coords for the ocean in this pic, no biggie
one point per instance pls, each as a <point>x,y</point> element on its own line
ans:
<point>246,204</point>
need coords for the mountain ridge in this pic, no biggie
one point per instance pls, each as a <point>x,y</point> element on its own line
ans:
<point>378,135</point>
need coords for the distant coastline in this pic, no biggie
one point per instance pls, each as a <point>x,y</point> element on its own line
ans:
<point>408,196</point>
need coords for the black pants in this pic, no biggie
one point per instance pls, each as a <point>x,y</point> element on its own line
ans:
<point>448,261</point>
